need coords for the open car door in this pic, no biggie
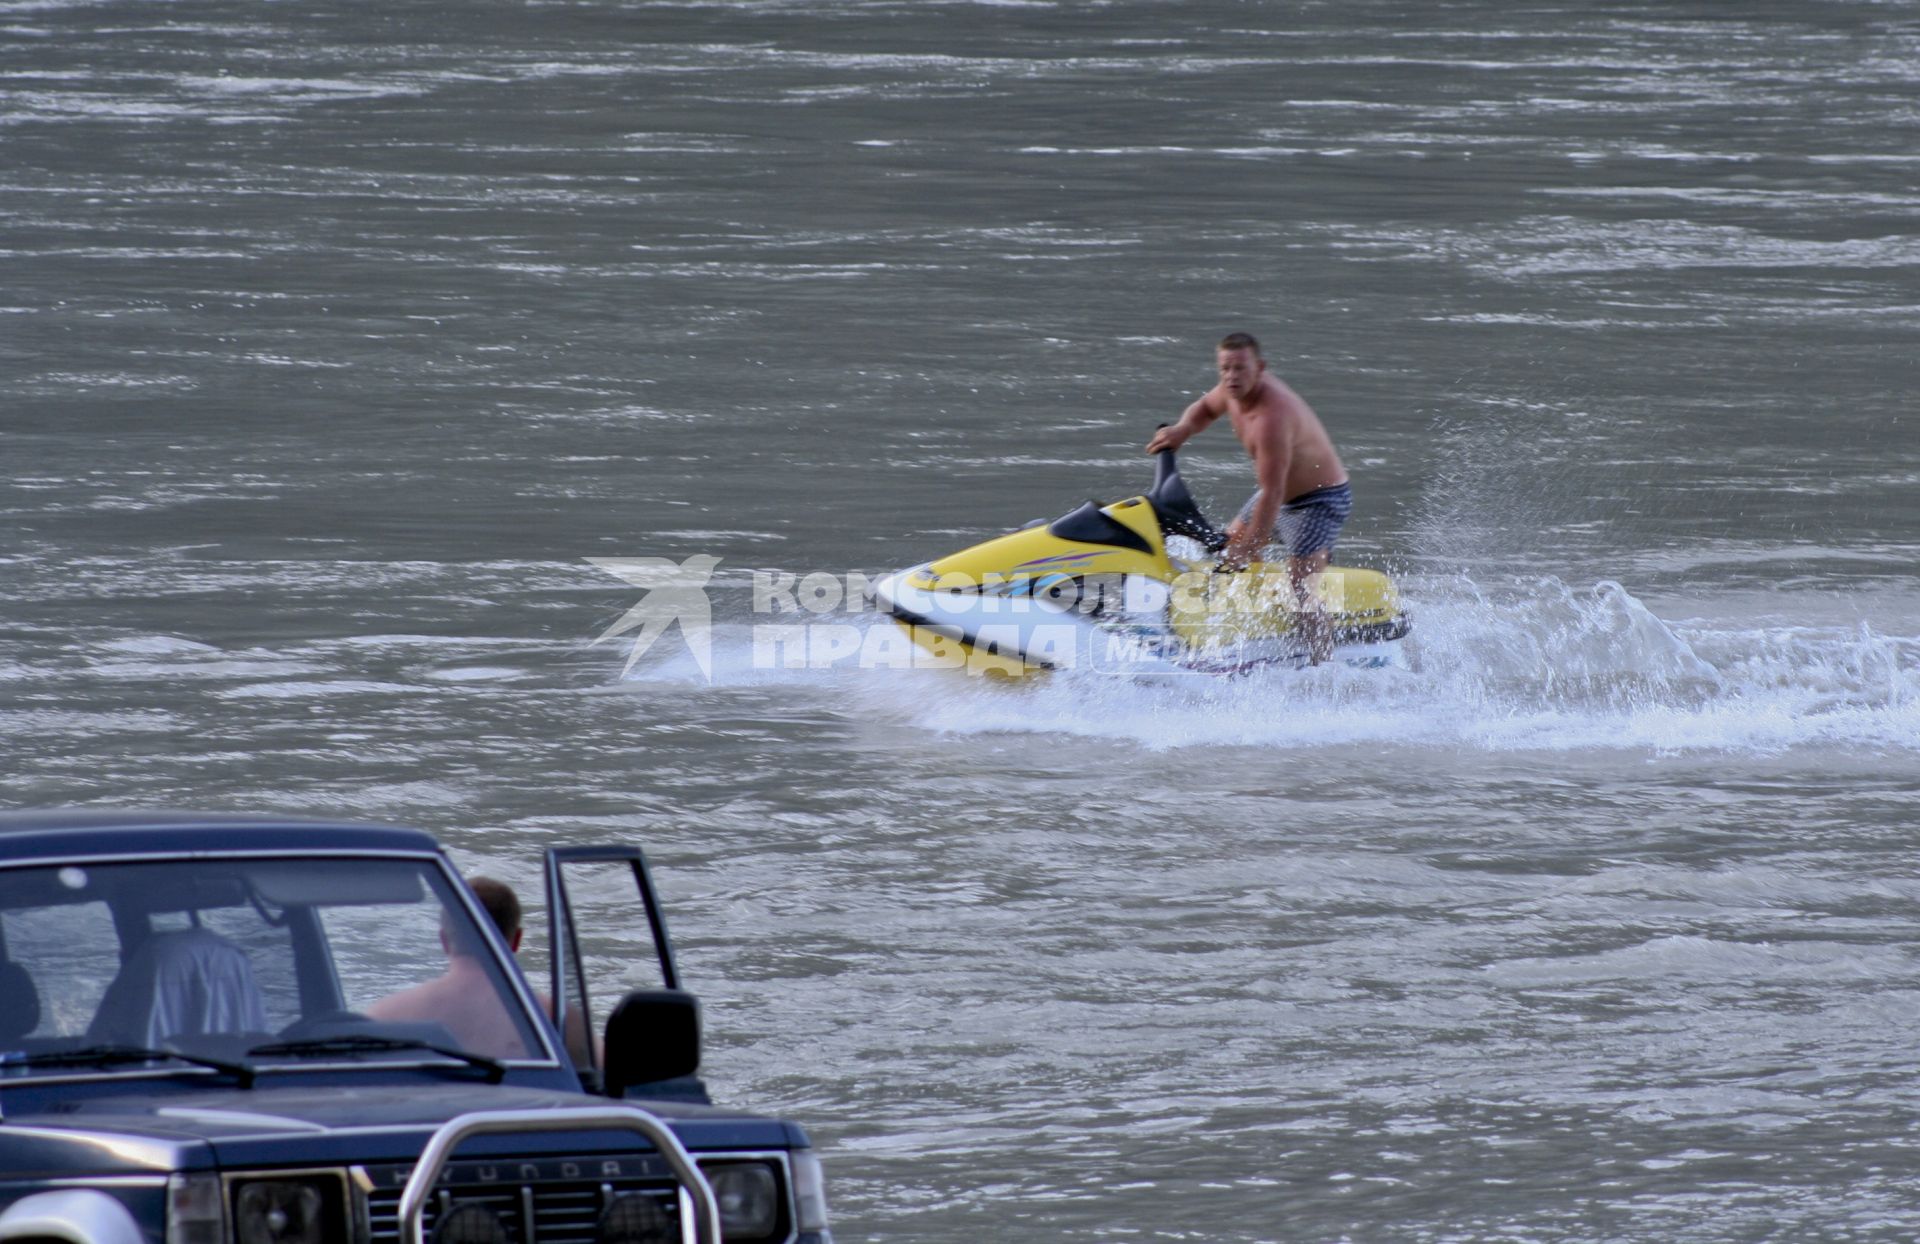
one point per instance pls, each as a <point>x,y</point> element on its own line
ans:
<point>630,1029</point>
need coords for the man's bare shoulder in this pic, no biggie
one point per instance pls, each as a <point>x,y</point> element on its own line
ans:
<point>421,1000</point>
<point>1274,408</point>
<point>1278,398</point>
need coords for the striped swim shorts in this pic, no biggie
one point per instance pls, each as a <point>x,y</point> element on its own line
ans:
<point>1310,522</point>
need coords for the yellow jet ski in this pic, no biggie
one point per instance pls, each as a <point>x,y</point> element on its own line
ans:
<point>1099,588</point>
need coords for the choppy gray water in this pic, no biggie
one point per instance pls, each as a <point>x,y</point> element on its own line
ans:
<point>334,337</point>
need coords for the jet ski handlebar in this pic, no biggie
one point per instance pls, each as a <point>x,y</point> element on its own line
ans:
<point>1175,506</point>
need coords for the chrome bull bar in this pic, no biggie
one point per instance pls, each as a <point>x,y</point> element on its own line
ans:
<point>696,1195</point>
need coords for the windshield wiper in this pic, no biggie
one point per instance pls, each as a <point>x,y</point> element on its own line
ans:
<point>496,1070</point>
<point>107,1055</point>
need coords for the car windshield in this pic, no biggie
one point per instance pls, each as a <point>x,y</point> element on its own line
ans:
<point>247,962</point>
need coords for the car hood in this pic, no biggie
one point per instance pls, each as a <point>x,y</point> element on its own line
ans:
<point>337,1125</point>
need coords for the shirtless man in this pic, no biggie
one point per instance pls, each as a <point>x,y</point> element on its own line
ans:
<point>1303,487</point>
<point>465,1001</point>
<point>464,998</point>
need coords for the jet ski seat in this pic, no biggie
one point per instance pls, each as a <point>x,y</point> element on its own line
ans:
<point>1092,525</point>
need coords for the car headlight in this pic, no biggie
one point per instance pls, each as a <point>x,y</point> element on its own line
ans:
<point>308,1209</point>
<point>749,1197</point>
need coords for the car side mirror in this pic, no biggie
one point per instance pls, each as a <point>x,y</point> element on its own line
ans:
<point>654,1034</point>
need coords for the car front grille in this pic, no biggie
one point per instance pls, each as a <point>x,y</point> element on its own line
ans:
<point>541,1201</point>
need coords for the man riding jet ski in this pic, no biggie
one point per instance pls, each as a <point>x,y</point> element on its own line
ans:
<point>1303,486</point>
<point>1100,587</point>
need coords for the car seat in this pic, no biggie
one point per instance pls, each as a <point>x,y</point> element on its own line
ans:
<point>182,983</point>
<point>19,1002</point>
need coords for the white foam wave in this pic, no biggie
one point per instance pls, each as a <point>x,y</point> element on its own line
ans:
<point>157,645</point>
<point>1699,959</point>
<point>476,673</point>
<point>1528,665</point>
<point>315,689</point>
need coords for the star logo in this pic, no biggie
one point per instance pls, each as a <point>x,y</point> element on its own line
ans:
<point>676,592</point>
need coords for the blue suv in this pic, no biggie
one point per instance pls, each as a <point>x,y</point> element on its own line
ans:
<point>257,1030</point>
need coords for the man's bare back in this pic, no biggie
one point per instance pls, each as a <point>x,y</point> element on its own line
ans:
<point>466,1002</point>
